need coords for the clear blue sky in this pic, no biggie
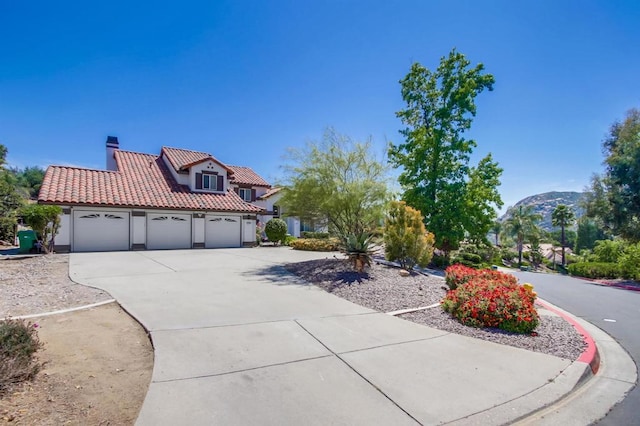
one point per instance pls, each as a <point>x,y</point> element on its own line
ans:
<point>243,80</point>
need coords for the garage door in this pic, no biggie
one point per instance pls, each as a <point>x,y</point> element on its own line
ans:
<point>222,231</point>
<point>100,231</point>
<point>168,231</point>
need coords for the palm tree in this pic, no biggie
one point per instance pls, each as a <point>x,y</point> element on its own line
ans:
<point>522,225</point>
<point>563,216</point>
<point>496,228</point>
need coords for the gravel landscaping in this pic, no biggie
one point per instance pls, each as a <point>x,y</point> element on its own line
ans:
<point>32,285</point>
<point>383,289</point>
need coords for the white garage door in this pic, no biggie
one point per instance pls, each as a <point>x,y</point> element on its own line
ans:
<point>168,231</point>
<point>100,231</point>
<point>222,231</point>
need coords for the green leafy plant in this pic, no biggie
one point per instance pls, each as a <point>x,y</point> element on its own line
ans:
<point>492,299</point>
<point>311,234</point>
<point>18,345</point>
<point>276,230</point>
<point>359,250</point>
<point>45,220</point>
<point>405,237</point>
<point>595,269</point>
<point>629,262</point>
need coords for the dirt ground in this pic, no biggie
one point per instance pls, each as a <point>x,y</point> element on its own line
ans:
<point>98,362</point>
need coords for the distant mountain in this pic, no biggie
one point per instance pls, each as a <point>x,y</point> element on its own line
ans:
<point>544,204</point>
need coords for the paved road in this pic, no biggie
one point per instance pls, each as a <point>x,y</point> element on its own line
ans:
<point>599,305</point>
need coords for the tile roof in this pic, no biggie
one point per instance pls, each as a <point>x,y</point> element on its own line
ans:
<point>142,180</point>
<point>246,176</point>
<point>182,159</point>
<point>269,193</point>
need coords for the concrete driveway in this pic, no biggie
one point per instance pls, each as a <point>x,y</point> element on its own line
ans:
<point>239,341</point>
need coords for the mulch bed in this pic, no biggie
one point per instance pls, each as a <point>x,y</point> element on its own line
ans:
<point>383,289</point>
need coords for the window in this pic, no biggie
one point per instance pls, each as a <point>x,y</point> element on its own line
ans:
<point>245,194</point>
<point>209,181</point>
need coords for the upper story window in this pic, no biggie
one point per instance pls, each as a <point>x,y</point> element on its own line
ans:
<point>245,194</point>
<point>209,181</point>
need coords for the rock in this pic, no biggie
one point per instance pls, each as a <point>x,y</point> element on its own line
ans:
<point>404,273</point>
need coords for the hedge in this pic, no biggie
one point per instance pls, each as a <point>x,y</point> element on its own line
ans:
<point>595,269</point>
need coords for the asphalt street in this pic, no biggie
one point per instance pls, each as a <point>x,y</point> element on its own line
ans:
<point>614,310</point>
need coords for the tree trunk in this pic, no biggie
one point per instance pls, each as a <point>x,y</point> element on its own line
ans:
<point>564,264</point>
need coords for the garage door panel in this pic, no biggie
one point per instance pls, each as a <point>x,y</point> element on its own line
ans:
<point>168,231</point>
<point>100,230</point>
<point>222,231</point>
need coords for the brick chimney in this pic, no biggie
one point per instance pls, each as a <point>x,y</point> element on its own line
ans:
<point>112,145</point>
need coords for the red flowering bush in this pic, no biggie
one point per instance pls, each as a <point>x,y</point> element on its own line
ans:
<point>456,275</point>
<point>492,299</point>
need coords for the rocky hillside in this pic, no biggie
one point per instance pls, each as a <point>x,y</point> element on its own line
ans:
<point>544,204</point>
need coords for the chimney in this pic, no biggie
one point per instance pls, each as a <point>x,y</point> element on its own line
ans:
<point>112,145</point>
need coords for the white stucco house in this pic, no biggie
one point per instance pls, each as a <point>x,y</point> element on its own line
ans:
<point>177,199</point>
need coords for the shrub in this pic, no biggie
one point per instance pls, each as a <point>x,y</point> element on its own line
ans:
<point>471,260</point>
<point>606,251</point>
<point>405,237</point>
<point>288,239</point>
<point>595,269</point>
<point>18,344</point>
<point>276,230</point>
<point>359,250</point>
<point>315,235</point>
<point>440,261</point>
<point>457,275</point>
<point>314,244</point>
<point>629,262</point>
<point>493,301</point>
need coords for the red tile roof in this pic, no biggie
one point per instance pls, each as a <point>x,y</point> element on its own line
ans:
<point>246,176</point>
<point>142,180</point>
<point>182,159</point>
<point>269,193</point>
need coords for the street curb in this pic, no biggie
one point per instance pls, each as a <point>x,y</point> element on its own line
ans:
<point>590,355</point>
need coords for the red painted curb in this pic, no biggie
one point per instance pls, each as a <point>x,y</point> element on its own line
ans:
<point>590,355</point>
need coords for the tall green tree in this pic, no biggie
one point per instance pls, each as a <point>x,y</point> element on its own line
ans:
<point>45,220</point>
<point>434,156</point>
<point>587,234</point>
<point>522,225</point>
<point>482,199</point>
<point>614,197</point>
<point>563,217</point>
<point>29,180</point>
<point>337,181</point>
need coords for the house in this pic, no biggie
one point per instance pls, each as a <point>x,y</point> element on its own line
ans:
<point>178,199</point>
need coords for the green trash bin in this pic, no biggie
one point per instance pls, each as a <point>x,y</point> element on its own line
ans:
<point>27,240</point>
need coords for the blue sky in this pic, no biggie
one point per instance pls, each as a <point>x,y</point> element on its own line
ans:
<point>243,80</point>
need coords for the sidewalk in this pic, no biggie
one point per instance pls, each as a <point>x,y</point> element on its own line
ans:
<point>239,341</point>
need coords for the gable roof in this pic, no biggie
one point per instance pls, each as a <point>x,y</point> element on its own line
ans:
<point>182,159</point>
<point>269,193</point>
<point>142,180</point>
<point>246,176</point>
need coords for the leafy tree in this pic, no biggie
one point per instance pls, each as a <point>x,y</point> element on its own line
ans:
<point>614,197</point>
<point>522,225</point>
<point>435,154</point>
<point>276,230</point>
<point>10,199</point>
<point>45,220</point>
<point>482,199</point>
<point>563,216</point>
<point>405,238</point>
<point>338,181</point>
<point>29,180</point>
<point>587,234</point>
